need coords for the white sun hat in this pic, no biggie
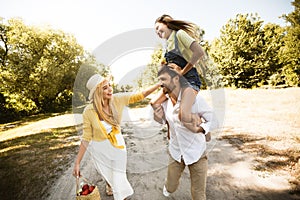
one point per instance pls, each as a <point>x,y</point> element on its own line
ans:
<point>92,84</point>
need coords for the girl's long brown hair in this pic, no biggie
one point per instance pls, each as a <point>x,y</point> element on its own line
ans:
<point>191,28</point>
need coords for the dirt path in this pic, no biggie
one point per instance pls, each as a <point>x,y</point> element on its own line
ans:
<point>230,176</point>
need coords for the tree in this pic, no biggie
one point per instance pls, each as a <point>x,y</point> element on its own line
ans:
<point>290,52</point>
<point>38,67</point>
<point>247,52</point>
<point>88,68</point>
<point>3,42</point>
<point>149,76</point>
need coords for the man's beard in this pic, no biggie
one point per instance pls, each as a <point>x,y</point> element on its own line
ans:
<point>169,89</point>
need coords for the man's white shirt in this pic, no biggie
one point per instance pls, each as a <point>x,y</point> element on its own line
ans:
<point>183,143</point>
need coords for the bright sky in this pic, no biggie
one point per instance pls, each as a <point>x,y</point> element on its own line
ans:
<point>93,22</point>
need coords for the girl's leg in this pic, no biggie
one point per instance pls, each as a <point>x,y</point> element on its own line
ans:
<point>189,120</point>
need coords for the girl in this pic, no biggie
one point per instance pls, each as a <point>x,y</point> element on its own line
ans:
<point>182,53</point>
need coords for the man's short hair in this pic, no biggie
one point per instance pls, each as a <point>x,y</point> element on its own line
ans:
<point>172,72</point>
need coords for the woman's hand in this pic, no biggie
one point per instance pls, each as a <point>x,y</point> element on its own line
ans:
<point>76,171</point>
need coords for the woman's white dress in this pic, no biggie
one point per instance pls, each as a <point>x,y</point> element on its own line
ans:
<point>111,163</point>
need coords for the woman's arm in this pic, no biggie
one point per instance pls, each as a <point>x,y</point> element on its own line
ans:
<point>197,54</point>
<point>151,89</point>
<point>82,149</point>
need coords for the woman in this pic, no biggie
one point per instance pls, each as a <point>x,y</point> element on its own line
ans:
<point>102,132</point>
<point>182,53</point>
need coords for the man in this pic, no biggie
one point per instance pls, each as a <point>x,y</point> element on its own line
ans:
<point>186,148</point>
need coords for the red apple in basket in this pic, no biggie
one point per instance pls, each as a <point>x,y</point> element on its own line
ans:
<point>85,187</point>
<point>91,188</point>
<point>85,192</point>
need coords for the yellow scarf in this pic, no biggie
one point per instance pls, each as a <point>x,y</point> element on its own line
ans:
<point>112,135</point>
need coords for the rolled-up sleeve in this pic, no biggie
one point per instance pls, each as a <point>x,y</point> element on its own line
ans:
<point>136,98</point>
<point>204,111</point>
<point>87,126</point>
<point>127,98</point>
<point>185,38</point>
<point>120,100</point>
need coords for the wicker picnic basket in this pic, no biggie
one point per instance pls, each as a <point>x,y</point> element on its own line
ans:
<point>94,195</point>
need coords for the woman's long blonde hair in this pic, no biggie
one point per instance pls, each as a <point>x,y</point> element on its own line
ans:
<point>98,102</point>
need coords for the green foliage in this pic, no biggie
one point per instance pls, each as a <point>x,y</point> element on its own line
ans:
<point>38,68</point>
<point>89,68</point>
<point>3,42</point>
<point>246,52</point>
<point>276,79</point>
<point>149,76</point>
<point>290,53</point>
<point>209,73</point>
<point>123,88</point>
<point>208,70</point>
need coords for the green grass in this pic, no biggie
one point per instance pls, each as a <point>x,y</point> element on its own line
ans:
<point>30,165</point>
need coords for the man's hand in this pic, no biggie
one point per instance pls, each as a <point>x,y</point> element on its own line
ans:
<point>175,67</point>
<point>193,124</point>
<point>158,113</point>
<point>196,119</point>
